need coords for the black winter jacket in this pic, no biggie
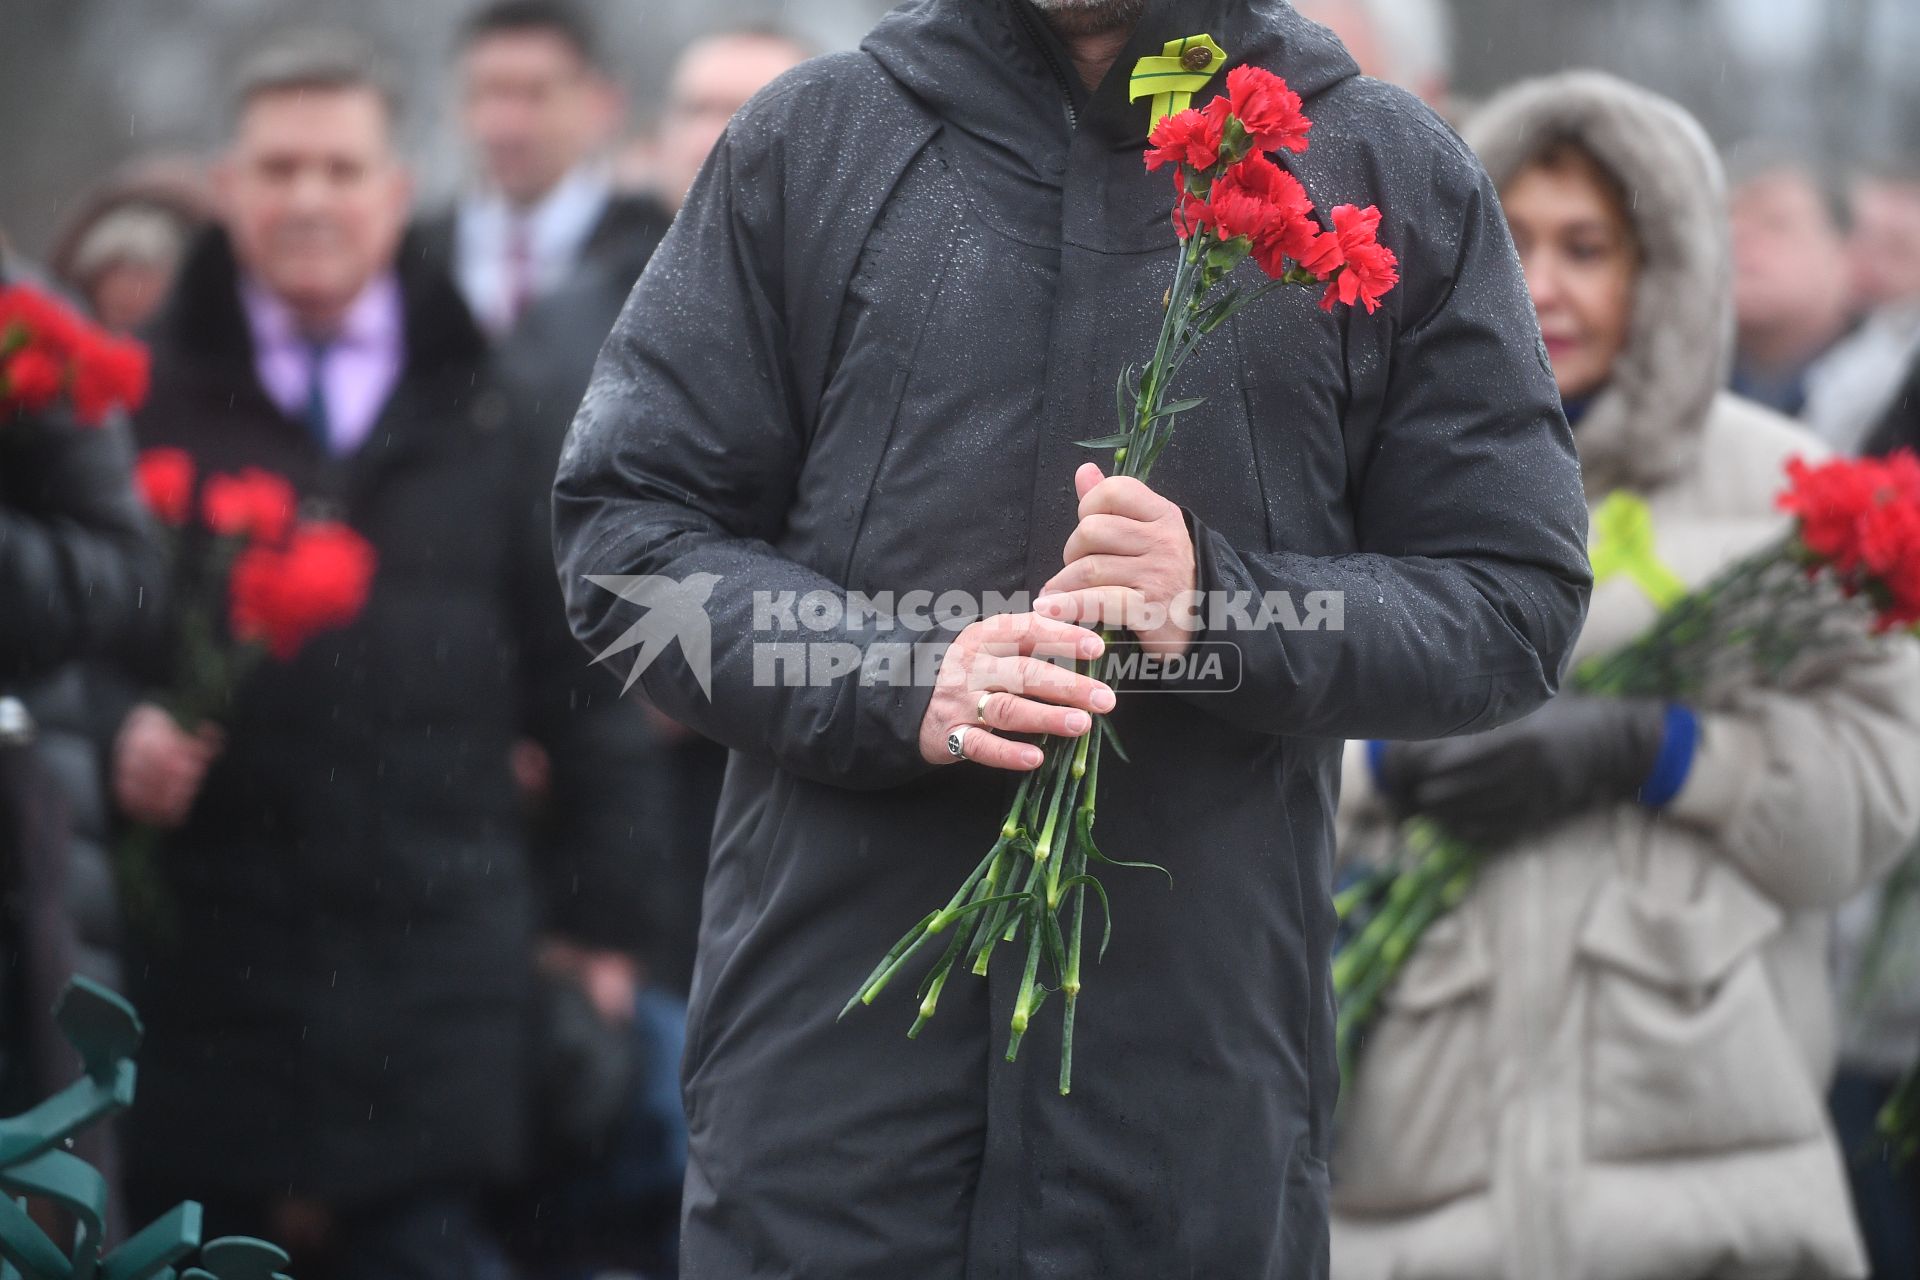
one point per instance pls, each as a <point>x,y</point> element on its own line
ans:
<point>899,293</point>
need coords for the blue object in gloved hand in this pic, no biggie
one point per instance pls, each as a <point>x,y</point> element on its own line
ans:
<point>1575,754</point>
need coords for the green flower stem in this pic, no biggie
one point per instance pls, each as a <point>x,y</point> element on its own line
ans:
<point>1076,778</point>
<point>988,922</point>
<point>988,926</point>
<point>1359,957</point>
<point>1070,978</point>
<point>1899,1122</point>
<point>1005,929</point>
<point>947,915</point>
<point>1025,1002</point>
<point>883,973</point>
<point>1011,827</point>
<point>936,981</point>
<point>1043,849</point>
<point>1438,895</point>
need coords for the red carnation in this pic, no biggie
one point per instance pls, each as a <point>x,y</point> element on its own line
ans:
<point>1233,212</point>
<point>1189,138</point>
<point>108,373</point>
<point>283,597</point>
<point>254,504</point>
<point>1189,210</point>
<point>1255,199</point>
<point>46,349</point>
<point>27,315</point>
<point>165,480</point>
<point>1900,475</point>
<point>1889,541</point>
<point>32,378</point>
<point>1288,229</point>
<point>1267,109</point>
<point>1368,268</point>
<point>1830,499</point>
<point>1272,185</point>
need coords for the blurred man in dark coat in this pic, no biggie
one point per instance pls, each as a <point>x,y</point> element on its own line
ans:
<point>897,296</point>
<point>543,247</point>
<point>337,1013</point>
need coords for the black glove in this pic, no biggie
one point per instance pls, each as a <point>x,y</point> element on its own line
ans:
<point>1574,754</point>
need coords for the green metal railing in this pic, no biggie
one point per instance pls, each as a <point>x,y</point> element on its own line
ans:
<point>36,1167</point>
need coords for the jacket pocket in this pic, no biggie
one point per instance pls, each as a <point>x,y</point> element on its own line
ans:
<point>1687,1050</point>
<point>1417,1127</point>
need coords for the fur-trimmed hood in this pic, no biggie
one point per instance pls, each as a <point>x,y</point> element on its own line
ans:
<point>1645,428</point>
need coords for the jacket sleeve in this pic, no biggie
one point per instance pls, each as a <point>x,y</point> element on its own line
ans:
<point>79,569</point>
<point>684,460</point>
<point>1814,792</point>
<point>598,834</point>
<point>1472,581</point>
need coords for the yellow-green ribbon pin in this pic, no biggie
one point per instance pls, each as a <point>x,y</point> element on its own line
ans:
<point>1182,70</point>
<point>1622,545</point>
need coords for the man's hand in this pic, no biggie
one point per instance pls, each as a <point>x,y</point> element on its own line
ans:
<point>610,979</point>
<point>158,766</point>
<point>1573,755</point>
<point>1004,659</point>
<point>1129,564</point>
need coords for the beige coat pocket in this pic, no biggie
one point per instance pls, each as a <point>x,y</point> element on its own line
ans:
<point>1417,1128</point>
<point>1687,1051</point>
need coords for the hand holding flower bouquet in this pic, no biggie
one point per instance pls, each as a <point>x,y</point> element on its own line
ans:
<point>252,582</point>
<point>1850,563</point>
<point>1232,203</point>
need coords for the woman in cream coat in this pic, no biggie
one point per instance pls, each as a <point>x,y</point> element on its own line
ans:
<point>1609,1064</point>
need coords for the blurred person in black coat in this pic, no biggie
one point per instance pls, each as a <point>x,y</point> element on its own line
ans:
<point>78,578</point>
<point>337,1045</point>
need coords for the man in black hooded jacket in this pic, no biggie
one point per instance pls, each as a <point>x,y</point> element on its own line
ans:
<point>859,362</point>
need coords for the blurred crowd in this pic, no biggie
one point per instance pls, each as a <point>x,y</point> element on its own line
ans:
<point>416,1005</point>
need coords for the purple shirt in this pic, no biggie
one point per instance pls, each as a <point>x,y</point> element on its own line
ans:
<point>363,363</point>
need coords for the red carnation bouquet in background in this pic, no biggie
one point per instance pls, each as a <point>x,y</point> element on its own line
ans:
<point>254,582</point>
<point>1231,203</point>
<point>48,352</point>
<point>1849,565</point>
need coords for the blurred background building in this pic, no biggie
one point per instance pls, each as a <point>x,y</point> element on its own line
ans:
<point>98,82</point>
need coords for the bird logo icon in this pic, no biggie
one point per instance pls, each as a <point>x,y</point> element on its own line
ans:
<point>674,610</point>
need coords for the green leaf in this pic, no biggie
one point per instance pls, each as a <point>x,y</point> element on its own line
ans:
<point>1106,909</point>
<point>1093,851</point>
<point>1180,406</point>
<point>1113,739</point>
<point>1056,946</point>
<point>1228,254</point>
<point>1232,305</point>
<point>1105,442</point>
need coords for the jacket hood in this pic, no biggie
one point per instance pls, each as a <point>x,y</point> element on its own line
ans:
<point>1645,427</point>
<point>993,68</point>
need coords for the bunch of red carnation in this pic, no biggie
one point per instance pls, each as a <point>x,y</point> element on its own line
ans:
<point>1859,518</point>
<point>276,580</point>
<point>46,352</point>
<point>285,580</point>
<point>1228,188</point>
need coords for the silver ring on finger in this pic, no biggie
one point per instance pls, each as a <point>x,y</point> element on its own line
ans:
<point>957,742</point>
<point>980,708</point>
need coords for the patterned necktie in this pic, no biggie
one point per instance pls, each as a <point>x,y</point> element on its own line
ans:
<point>319,419</point>
<point>519,271</point>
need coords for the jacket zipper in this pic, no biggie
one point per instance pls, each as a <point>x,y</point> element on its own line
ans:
<point>1053,64</point>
